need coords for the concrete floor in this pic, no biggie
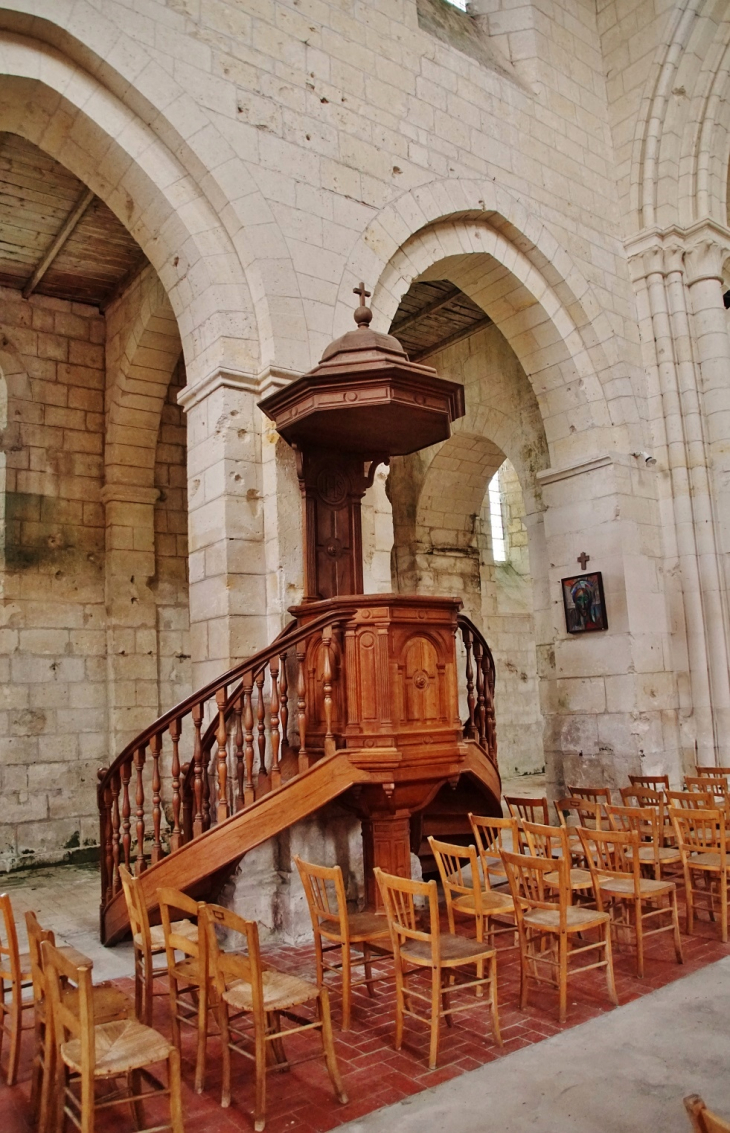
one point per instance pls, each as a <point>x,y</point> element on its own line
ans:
<point>624,1072</point>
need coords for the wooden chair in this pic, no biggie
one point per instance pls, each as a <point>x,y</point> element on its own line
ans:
<point>324,889</point>
<point>702,1119</point>
<point>582,812</point>
<point>86,1052</point>
<point>716,785</point>
<point>533,810</point>
<point>690,800</point>
<point>108,1003</point>
<point>702,842</point>
<point>712,772</point>
<point>15,977</point>
<point>148,942</point>
<point>490,838</point>
<point>464,893</point>
<point>613,859</point>
<point>445,955</point>
<point>647,796</point>
<point>599,796</point>
<point>540,916</point>
<point>652,782</point>
<point>188,976</point>
<point>648,822</point>
<point>245,988</point>
<point>552,843</point>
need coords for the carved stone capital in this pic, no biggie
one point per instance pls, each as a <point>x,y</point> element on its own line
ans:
<point>704,260</point>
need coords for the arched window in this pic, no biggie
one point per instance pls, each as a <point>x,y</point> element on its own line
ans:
<point>499,546</point>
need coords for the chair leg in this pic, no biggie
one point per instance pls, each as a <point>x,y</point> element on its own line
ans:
<point>400,991</point>
<point>16,1021</point>
<point>225,1055</point>
<point>524,961</point>
<point>134,1084</point>
<point>495,1003</point>
<point>346,987</point>
<point>87,1105</point>
<point>138,985</point>
<point>259,1113</point>
<point>563,976</point>
<point>479,989</point>
<point>328,1046</point>
<point>639,939</point>
<point>608,953</point>
<point>368,965</point>
<point>435,1017</point>
<point>675,924</point>
<point>47,1080</point>
<point>174,1021</point>
<point>202,1037</point>
<point>37,1071</point>
<point>176,1112</point>
<point>689,895</point>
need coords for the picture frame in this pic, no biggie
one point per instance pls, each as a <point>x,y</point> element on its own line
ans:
<point>584,602</point>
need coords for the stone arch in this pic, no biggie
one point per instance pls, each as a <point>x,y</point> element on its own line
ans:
<point>682,141</point>
<point>505,258</point>
<point>143,351</point>
<point>70,114</point>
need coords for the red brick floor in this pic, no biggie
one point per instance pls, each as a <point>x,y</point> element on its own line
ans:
<point>374,1073</point>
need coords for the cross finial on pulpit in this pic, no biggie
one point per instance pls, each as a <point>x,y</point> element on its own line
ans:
<point>583,559</point>
<point>363,314</point>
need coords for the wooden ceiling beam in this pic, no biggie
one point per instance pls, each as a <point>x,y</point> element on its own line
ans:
<point>434,305</point>
<point>58,242</point>
<point>451,339</point>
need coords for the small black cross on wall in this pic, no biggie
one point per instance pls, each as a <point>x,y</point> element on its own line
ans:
<point>583,559</point>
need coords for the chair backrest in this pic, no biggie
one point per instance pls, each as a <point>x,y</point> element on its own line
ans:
<point>170,901</point>
<point>489,839</point>
<point>586,812</point>
<point>700,831</point>
<point>691,800</point>
<point>72,1016</point>
<point>601,795</point>
<point>712,772</point>
<point>532,810</point>
<point>704,1120</point>
<point>611,853</point>
<point>139,920</point>
<point>226,967</point>
<point>324,888</point>
<point>526,877</point>
<point>716,784</point>
<point>9,954</point>
<point>399,895</point>
<point>653,782</point>
<point>36,936</point>
<point>546,841</point>
<point>452,863</point>
<point>645,820</point>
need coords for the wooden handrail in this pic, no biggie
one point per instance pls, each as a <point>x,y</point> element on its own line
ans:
<point>480,724</point>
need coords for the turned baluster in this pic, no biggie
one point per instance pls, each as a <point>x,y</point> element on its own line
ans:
<point>175,840</point>
<point>481,701</point>
<point>248,796</point>
<point>329,739</point>
<point>155,750</point>
<point>221,736</point>
<point>107,865</point>
<point>490,724</point>
<point>139,761</point>
<point>303,760</point>
<point>197,715</point>
<point>283,702</point>
<point>275,738</point>
<point>115,832</point>
<point>126,814</point>
<point>263,784</point>
<point>238,741</point>
<point>470,701</point>
<point>187,805</point>
<point>207,759</point>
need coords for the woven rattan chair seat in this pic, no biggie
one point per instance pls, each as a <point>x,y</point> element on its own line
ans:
<point>577,918</point>
<point>579,879</point>
<point>624,886</point>
<point>666,854</point>
<point>280,991</point>
<point>108,1002</point>
<point>367,925</point>
<point>492,902</point>
<point>454,949</point>
<point>121,1046</point>
<point>184,928</point>
<point>708,859</point>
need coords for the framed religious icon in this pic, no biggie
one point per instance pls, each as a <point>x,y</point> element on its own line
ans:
<point>585,605</point>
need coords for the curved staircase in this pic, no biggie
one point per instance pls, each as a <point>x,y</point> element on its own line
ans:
<point>358,698</point>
